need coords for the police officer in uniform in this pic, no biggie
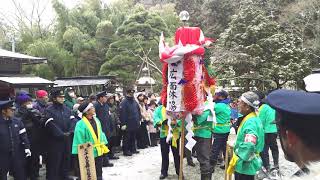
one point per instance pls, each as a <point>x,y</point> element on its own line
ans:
<point>14,146</point>
<point>298,121</point>
<point>102,111</point>
<point>130,117</point>
<point>58,120</point>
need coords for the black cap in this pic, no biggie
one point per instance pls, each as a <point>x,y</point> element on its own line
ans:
<point>57,92</point>
<point>295,102</point>
<point>298,111</point>
<point>101,94</point>
<point>6,104</point>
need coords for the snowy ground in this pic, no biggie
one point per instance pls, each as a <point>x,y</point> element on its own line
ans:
<point>147,164</point>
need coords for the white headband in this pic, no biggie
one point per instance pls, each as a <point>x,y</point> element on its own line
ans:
<point>255,104</point>
<point>90,105</point>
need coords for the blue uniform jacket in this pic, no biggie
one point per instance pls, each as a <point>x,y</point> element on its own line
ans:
<point>13,138</point>
<point>58,120</point>
<point>102,111</point>
<point>130,114</point>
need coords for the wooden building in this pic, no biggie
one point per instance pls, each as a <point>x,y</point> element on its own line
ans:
<point>11,77</point>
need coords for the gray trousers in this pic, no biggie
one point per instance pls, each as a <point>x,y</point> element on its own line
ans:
<point>203,149</point>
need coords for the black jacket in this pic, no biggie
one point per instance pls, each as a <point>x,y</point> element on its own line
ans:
<point>130,114</point>
<point>103,114</point>
<point>31,119</point>
<point>13,138</point>
<point>58,120</point>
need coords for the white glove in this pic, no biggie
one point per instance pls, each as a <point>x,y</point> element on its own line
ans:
<point>124,127</point>
<point>28,152</point>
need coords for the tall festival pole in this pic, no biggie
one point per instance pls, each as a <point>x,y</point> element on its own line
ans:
<point>184,73</point>
<point>181,150</point>
<point>184,17</point>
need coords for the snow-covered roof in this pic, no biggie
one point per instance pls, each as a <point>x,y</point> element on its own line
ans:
<point>25,80</point>
<point>24,59</point>
<point>83,81</point>
<point>146,80</point>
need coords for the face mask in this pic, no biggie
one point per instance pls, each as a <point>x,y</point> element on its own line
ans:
<point>72,94</point>
<point>43,101</point>
<point>29,106</point>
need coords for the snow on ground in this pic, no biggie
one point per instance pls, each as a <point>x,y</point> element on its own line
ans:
<point>147,164</point>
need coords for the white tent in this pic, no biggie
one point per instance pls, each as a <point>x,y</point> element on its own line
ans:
<point>312,82</point>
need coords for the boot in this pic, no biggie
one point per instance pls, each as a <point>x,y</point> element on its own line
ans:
<point>213,164</point>
<point>191,163</point>
<point>206,176</point>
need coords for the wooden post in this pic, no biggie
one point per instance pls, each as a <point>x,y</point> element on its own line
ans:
<point>182,139</point>
<point>86,162</point>
<point>229,154</point>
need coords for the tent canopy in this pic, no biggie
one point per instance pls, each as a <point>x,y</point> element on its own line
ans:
<point>312,82</point>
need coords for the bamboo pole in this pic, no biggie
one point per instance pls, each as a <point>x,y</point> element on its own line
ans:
<point>182,139</point>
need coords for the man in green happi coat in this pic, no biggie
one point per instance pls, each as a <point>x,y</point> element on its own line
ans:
<point>160,120</point>
<point>202,129</point>
<point>267,116</point>
<point>222,129</point>
<point>250,140</point>
<point>88,129</point>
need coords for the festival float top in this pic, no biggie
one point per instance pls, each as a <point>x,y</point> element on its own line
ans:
<point>186,81</point>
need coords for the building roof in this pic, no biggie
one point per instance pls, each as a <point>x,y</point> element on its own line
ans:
<point>25,81</point>
<point>83,81</point>
<point>24,59</point>
<point>145,80</point>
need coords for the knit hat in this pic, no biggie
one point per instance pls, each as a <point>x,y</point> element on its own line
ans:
<point>251,98</point>
<point>22,97</point>
<point>41,93</point>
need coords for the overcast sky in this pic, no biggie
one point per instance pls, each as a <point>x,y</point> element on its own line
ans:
<point>8,9</point>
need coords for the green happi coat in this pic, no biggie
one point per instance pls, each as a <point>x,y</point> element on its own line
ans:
<point>223,115</point>
<point>84,133</point>
<point>267,116</point>
<point>203,128</point>
<point>249,143</point>
<point>160,119</point>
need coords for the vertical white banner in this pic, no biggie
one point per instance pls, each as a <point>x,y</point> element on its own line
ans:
<point>174,92</point>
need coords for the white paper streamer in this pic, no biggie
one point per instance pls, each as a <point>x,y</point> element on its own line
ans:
<point>209,105</point>
<point>190,134</point>
<point>170,135</point>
